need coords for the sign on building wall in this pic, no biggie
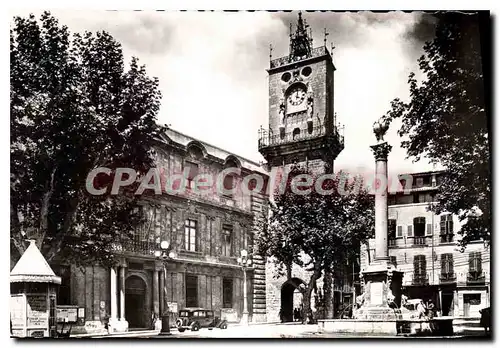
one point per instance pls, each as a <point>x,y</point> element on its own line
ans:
<point>66,314</point>
<point>37,311</point>
<point>17,310</point>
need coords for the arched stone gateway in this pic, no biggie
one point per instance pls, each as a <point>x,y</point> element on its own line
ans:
<point>291,298</point>
<point>135,302</point>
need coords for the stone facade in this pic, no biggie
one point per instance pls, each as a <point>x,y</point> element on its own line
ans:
<point>302,130</point>
<point>445,285</point>
<point>210,263</point>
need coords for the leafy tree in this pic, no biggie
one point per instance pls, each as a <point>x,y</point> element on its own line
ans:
<point>74,108</point>
<point>445,120</point>
<point>314,230</point>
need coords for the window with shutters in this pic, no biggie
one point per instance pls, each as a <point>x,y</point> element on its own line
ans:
<point>475,262</point>
<point>419,182</point>
<point>409,231</point>
<point>391,231</point>
<point>446,230</point>
<point>419,270</point>
<point>447,272</point>
<point>191,290</point>
<point>419,226</point>
<point>190,235</point>
<point>475,274</point>
<point>227,240</point>
<point>426,180</point>
<point>428,230</point>
<point>433,181</point>
<point>399,232</point>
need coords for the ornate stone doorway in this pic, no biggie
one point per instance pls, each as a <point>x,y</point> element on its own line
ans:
<point>135,302</point>
<point>290,298</point>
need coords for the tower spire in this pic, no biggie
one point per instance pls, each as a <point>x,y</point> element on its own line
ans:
<point>300,41</point>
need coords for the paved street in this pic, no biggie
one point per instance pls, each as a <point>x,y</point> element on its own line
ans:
<point>283,331</point>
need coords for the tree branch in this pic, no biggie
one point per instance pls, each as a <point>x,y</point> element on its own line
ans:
<point>68,222</point>
<point>16,233</point>
<point>44,211</point>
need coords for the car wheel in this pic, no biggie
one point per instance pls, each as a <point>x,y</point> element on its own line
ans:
<point>223,326</point>
<point>181,329</point>
<point>195,327</point>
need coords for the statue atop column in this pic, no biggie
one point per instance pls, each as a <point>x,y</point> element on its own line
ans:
<point>380,127</point>
<point>382,280</point>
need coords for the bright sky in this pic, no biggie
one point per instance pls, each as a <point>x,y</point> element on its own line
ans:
<point>212,70</point>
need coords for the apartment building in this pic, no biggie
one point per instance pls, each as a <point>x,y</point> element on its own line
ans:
<point>422,244</point>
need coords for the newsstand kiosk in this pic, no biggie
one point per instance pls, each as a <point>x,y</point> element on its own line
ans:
<point>33,296</point>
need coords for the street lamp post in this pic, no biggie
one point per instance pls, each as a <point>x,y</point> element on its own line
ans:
<point>244,261</point>
<point>164,253</point>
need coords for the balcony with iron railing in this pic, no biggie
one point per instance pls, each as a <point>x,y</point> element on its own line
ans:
<point>419,241</point>
<point>447,277</point>
<point>446,238</point>
<point>420,279</point>
<point>267,138</point>
<point>140,247</point>
<point>475,277</point>
<point>282,61</point>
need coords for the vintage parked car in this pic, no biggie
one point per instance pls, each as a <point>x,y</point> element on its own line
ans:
<point>195,318</point>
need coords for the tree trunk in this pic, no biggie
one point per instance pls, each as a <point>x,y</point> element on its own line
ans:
<point>328,280</point>
<point>44,212</point>
<point>306,296</point>
<point>57,245</point>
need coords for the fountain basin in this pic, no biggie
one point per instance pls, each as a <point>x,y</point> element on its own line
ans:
<point>364,326</point>
<point>440,326</point>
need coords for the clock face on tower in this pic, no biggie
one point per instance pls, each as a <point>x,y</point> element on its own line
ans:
<point>296,96</point>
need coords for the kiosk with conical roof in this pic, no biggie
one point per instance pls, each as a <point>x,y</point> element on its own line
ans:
<point>33,296</point>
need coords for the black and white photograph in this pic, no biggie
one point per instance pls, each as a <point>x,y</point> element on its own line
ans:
<point>286,174</point>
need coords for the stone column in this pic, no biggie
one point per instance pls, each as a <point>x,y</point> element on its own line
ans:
<point>244,317</point>
<point>156,298</point>
<point>122,293</point>
<point>113,318</point>
<point>114,296</point>
<point>381,151</point>
<point>382,280</point>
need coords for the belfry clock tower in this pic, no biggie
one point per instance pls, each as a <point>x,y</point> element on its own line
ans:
<point>302,122</point>
<point>302,130</point>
